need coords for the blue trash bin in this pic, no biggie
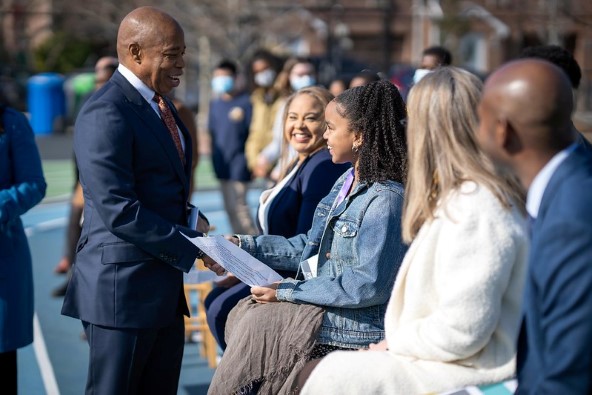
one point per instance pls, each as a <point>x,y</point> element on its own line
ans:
<point>46,102</point>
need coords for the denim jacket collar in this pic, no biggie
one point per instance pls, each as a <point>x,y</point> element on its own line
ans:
<point>359,188</point>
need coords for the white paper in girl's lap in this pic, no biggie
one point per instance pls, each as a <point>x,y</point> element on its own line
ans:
<point>249,270</point>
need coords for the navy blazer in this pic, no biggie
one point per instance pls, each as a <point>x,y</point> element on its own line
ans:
<point>292,210</point>
<point>131,255</point>
<point>555,344</point>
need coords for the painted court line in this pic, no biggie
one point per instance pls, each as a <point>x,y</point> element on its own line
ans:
<point>46,225</point>
<point>47,373</point>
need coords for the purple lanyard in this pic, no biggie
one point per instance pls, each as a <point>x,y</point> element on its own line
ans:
<point>344,189</point>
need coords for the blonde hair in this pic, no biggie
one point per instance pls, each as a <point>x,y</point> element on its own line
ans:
<point>322,96</point>
<point>443,152</point>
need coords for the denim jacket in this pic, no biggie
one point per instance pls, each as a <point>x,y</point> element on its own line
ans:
<point>360,251</point>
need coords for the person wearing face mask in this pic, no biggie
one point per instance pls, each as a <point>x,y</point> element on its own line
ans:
<point>266,102</point>
<point>297,73</point>
<point>432,58</point>
<point>229,119</point>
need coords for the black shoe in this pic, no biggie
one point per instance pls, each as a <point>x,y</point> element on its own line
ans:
<point>60,291</point>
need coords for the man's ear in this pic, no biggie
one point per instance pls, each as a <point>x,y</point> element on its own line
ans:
<point>507,138</point>
<point>135,52</point>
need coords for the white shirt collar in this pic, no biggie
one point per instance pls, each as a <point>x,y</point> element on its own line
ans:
<point>539,183</point>
<point>142,88</point>
<point>147,94</point>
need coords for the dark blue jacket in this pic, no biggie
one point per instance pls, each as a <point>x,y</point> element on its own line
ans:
<point>292,210</point>
<point>555,344</point>
<point>22,186</point>
<point>228,123</point>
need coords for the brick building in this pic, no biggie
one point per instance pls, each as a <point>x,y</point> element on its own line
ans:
<point>482,34</point>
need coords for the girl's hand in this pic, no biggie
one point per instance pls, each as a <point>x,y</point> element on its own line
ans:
<point>265,294</point>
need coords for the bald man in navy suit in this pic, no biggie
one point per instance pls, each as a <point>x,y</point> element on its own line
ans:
<point>526,127</point>
<point>134,156</point>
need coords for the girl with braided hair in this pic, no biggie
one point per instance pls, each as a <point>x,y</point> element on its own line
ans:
<point>346,263</point>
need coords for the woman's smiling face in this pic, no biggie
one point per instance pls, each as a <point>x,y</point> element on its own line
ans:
<point>305,124</point>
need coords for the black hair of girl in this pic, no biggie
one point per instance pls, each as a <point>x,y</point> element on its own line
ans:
<point>378,112</point>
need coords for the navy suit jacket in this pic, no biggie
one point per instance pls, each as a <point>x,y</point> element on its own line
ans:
<point>131,255</point>
<point>555,344</point>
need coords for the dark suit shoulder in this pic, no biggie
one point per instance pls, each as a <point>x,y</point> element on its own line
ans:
<point>109,95</point>
<point>569,192</point>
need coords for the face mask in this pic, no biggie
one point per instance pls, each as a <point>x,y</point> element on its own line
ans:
<point>265,78</point>
<point>222,84</point>
<point>299,82</point>
<point>419,74</point>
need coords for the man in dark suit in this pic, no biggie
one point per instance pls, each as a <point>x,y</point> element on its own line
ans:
<point>134,157</point>
<point>526,127</point>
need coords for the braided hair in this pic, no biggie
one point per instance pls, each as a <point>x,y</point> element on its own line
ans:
<point>377,112</point>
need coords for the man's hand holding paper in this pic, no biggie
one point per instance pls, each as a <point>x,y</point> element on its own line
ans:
<point>228,256</point>
<point>213,266</point>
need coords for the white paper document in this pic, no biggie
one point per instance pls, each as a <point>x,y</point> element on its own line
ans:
<point>249,270</point>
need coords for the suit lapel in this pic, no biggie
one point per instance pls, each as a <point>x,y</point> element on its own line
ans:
<point>155,125</point>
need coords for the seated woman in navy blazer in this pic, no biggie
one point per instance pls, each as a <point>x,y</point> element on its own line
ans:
<point>287,209</point>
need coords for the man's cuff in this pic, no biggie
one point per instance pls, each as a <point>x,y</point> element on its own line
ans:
<point>200,254</point>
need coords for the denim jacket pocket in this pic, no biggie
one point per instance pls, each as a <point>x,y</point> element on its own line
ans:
<point>345,228</point>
